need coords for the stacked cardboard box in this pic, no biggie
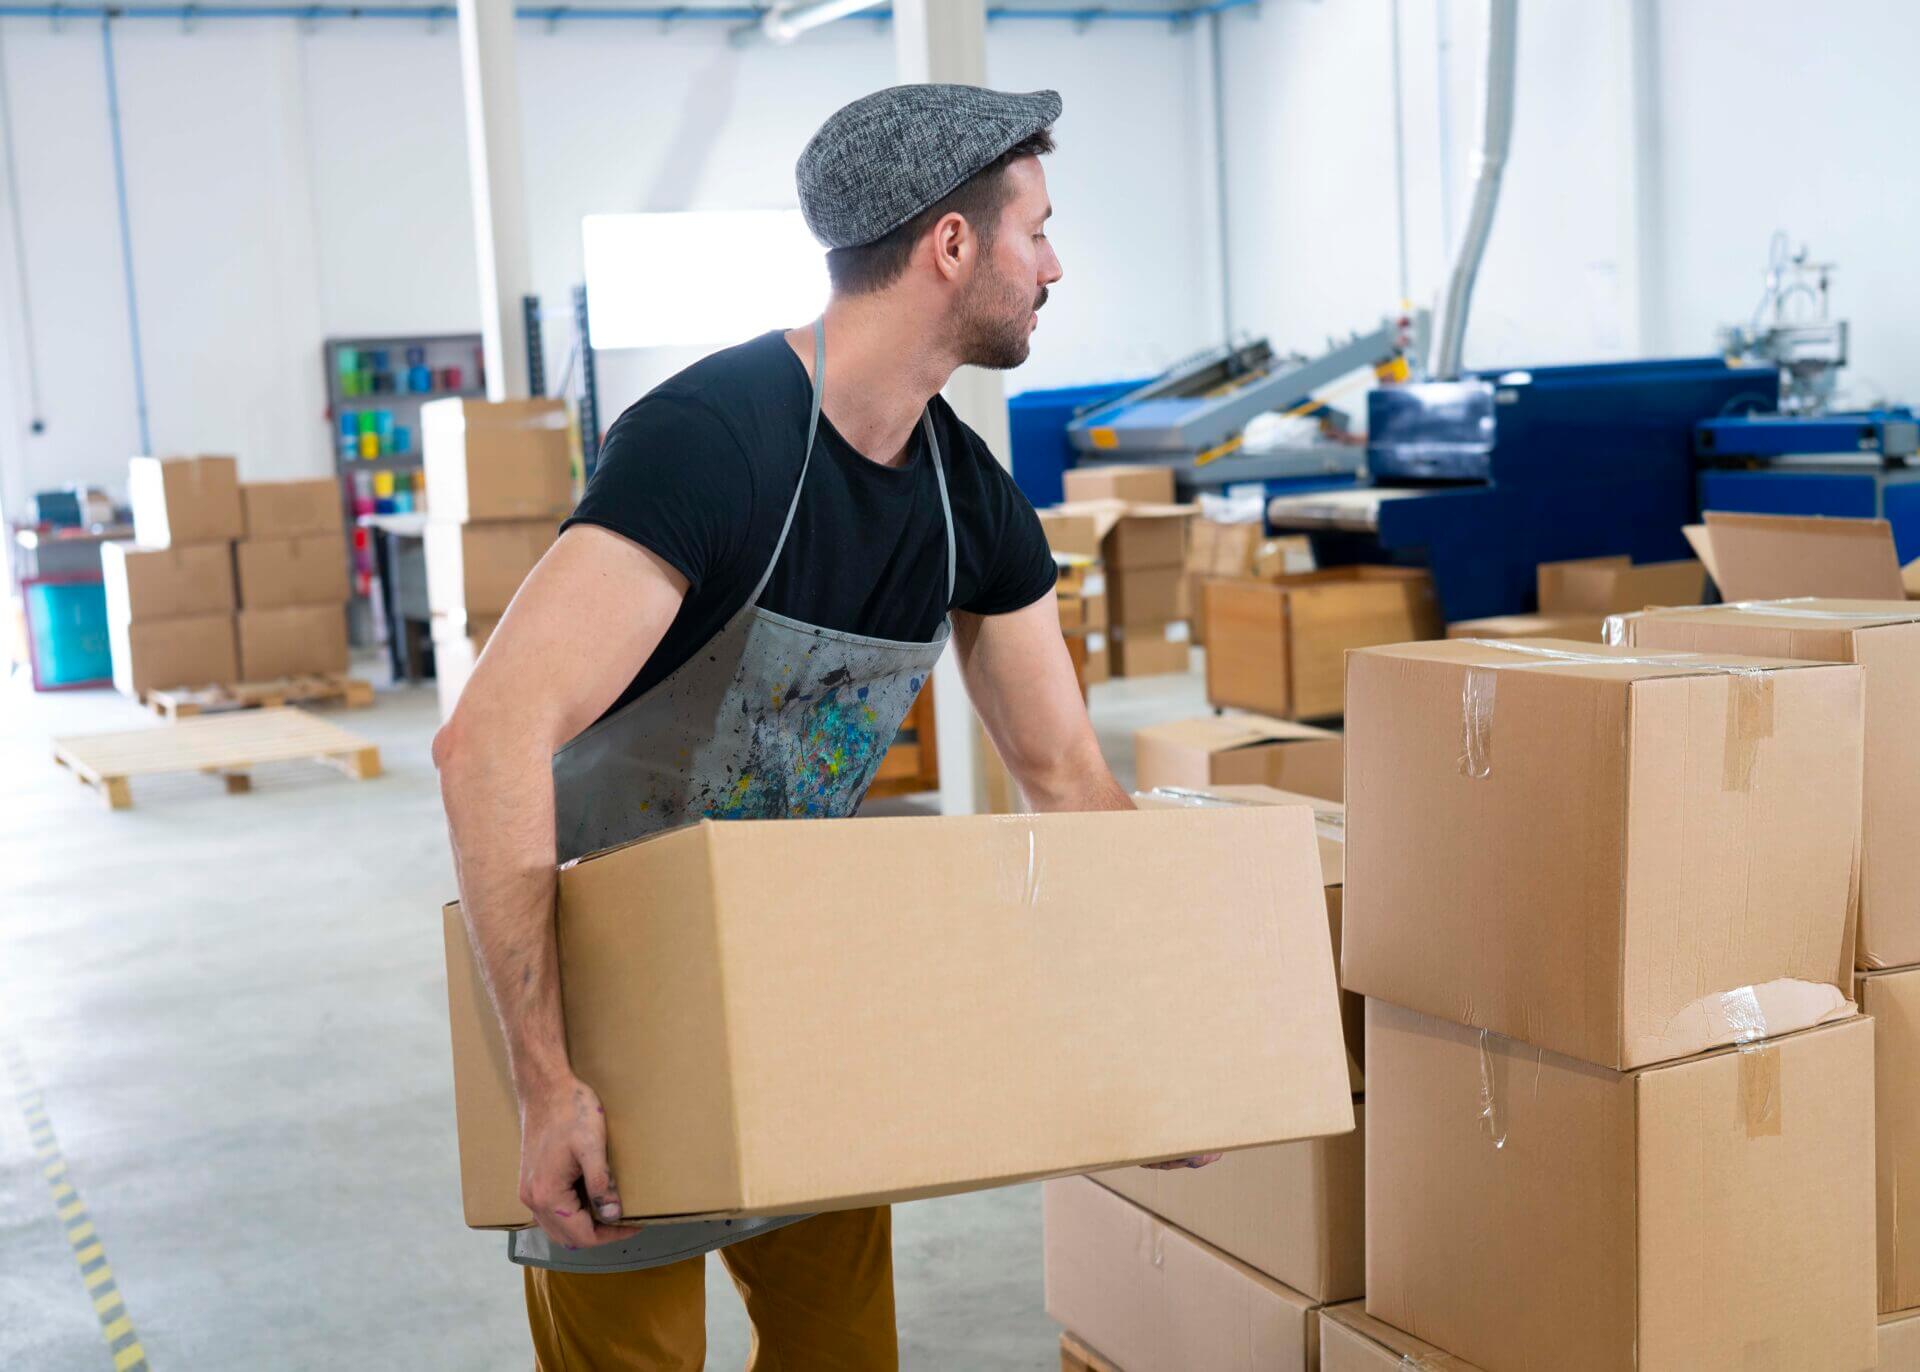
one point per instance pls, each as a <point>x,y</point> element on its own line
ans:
<point>1237,749</point>
<point>1082,594</point>
<point>1142,551</point>
<point>1238,552</point>
<point>1278,647</point>
<point>1576,597</point>
<point>1619,1107</point>
<point>1883,636</point>
<point>170,593</point>
<point>1142,1265</point>
<point>501,477</point>
<point>730,1087</point>
<point>291,569</point>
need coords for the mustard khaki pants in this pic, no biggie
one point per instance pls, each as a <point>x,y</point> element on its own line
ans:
<point>819,1294</point>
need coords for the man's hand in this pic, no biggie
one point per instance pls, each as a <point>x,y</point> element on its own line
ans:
<point>1197,1160</point>
<point>564,1178</point>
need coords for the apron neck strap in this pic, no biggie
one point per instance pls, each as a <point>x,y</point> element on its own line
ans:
<point>806,460</point>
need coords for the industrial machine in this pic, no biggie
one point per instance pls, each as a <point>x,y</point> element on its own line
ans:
<point>1803,456</point>
<point>1483,477</point>
<point>1202,410</point>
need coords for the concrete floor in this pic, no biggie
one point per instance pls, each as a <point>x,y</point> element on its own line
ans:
<point>233,1011</point>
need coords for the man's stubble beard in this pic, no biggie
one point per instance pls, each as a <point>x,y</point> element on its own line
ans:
<point>991,319</point>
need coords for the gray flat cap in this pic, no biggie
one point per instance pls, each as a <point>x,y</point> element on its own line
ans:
<point>878,162</point>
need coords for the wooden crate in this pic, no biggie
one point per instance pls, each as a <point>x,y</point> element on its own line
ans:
<point>226,745</point>
<point>181,702</point>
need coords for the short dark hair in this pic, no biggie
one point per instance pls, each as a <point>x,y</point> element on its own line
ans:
<point>979,200</point>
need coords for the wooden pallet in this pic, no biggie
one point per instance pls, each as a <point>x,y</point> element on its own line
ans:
<point>225,745</point>
<point>182,701</point>
<point>1077,1357</point>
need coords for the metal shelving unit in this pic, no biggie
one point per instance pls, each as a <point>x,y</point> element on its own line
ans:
<point>439,352</point>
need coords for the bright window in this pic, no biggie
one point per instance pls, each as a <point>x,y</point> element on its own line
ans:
<point>695,277</point>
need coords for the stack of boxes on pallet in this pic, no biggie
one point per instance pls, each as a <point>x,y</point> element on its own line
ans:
<point>291,569</point>
<point>501,477</point>
<point>170,593</point>
<point>1883,637</point>
<point>1225,1268</point>
<point>1601,902</point>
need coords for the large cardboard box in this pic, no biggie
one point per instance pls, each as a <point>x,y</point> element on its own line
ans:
<point>1137,483</point>
<point>1770,557</point>
<point>1614,857</point>
<point>1577,628</point>
<point>1296,1212</point>
<point>1884,638</point>
<point>1279,648</point>
<point>1239,749</point>
<point>1150,649</point>
<point>457,641</point>
<point>1145,596</point>
<point>1525,1210</point>
<point>292,640</point>
<point>1900,1343</point>
<point>184,500</point>
<point>1217,549</point>
<point>165,583</point>
<point>476,568</point>
<point>1287,555</point>
<point>189,650</point>
<point>1329,824</point>
<point>308,570</point>
<point>291,509</point>
<point>796,1015</point>
<point>1893,1000</point>
<point>1148,536</point>
<point>1351,1340</point>
<point>1154,1299</point>
<point>507,459</point>
<point>1611,585</point>
<point>1076,533</point>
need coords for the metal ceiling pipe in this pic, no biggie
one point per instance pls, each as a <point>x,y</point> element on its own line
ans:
<point>1496,134</point>
<point>783,24</point>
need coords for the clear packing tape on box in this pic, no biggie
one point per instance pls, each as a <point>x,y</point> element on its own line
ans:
<point>1327,823</point>
<point>1613,629</point>
<point>1749,714</point>
<point>1745,1024</point>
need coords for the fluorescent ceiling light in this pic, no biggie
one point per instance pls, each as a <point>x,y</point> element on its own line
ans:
<point>694,277</point>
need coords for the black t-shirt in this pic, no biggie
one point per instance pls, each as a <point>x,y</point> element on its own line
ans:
<point>700,472</point>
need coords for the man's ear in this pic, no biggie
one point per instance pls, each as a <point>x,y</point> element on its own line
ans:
<point>954,245</point>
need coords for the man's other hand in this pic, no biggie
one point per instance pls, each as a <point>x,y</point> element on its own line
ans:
<point>564,1178</point>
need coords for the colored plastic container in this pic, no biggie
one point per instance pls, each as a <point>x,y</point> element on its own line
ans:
<point>67,634</point>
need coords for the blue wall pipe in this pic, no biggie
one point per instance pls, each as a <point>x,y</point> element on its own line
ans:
<point>126,234</point>
<point>553,14</point>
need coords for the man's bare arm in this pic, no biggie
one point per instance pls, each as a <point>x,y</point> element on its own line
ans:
<point>589,614</point>
<point>1021,681</point>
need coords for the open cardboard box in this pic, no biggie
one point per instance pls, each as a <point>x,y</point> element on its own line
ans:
<point>1773,557</point>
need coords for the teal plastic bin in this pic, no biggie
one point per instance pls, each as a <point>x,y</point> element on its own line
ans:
<point>67,631</point>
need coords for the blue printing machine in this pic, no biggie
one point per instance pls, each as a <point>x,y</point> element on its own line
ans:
<point>1481,480</point>
<point>1839,465</point>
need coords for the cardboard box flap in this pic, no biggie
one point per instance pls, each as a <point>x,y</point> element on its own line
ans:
<point>1768,557</point>
<point>1220,733</point>
<point>1357,1342</point>
<point>1701,542</point>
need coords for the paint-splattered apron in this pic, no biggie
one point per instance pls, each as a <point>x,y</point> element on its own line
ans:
<point>772,718</point>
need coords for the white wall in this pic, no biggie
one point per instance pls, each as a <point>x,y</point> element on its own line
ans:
<point>287,183</point>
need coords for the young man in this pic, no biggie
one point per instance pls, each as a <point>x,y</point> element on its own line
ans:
<point>732,624</point>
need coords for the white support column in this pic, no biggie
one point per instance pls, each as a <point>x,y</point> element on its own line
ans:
<point>489,79</point>
<point>946,41</point>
